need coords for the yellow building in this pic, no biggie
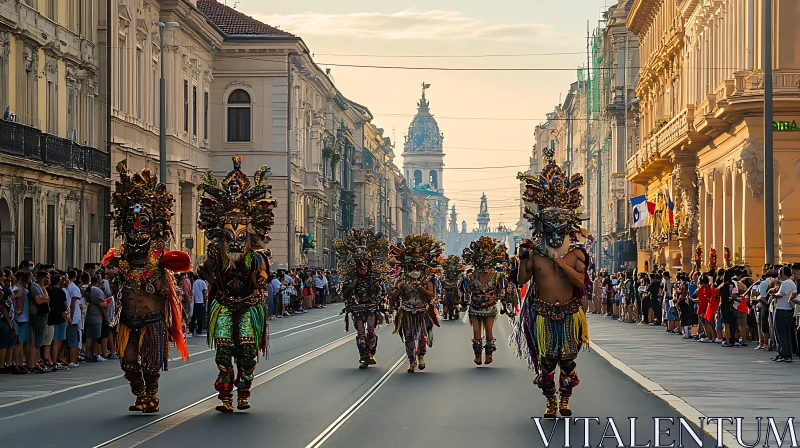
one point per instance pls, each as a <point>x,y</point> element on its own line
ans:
<point>701,92</point>
<point>54,165</point>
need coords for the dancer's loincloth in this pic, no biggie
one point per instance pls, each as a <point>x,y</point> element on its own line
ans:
<point>548,331</point>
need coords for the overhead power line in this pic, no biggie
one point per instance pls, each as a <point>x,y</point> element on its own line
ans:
<point>457,56</point>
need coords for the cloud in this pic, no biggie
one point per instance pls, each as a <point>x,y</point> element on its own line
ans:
<point>408,24</point>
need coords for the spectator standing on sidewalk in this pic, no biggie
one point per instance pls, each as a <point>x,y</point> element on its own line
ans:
<point>39,312</point>
<point>200,294</point>
<point>785,297</point>
<point>704,303</point>
<point>58,320</point>
<point>95,311</point>
<point>319,290</point>
<point>75,298</point>
<point>23,316</point>
<point>796,274</point>
<point>6,322</point>
<point>654,292</point>
<point>187,298</point>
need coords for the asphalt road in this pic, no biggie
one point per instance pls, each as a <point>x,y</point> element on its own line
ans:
<point>311,393</point>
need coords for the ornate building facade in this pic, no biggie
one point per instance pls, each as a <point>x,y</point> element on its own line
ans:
<point>701,145</point>
<point>457,241</point>
<point>54,164</point>
<point>423,164</point>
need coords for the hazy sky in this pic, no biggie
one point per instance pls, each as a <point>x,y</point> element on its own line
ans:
<point>487,118</point>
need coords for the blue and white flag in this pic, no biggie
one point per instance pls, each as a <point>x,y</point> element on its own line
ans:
<point>640,211</point>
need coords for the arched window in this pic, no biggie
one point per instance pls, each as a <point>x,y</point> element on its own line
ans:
<point>239,116</point>
<point>417,177</point>
<point>434,179</point>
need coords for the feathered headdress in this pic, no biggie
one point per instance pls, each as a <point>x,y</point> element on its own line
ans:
<point>362,248</point>
<point>556,196</point>
<point>452,267</point>
<point>235,200</point>
<point>421,253</point>
<point>485,252</point>
<point>136,192</point>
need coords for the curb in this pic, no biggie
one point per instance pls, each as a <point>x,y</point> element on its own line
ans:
<point>677,403</point>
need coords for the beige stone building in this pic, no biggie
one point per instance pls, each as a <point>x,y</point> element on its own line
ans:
<point>701,91</point>
<point>54,165</point>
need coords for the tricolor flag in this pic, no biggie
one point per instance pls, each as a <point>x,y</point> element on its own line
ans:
<point>642,210</point>
<point>671,208</point>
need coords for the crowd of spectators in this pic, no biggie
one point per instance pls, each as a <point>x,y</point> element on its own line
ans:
<point>728,306</point>
<point>52,320</point>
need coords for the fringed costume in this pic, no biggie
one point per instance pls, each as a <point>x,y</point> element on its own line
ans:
<point>453,267</point>
<point>548,333</point>
<point>419,257</point>
<point>481,297</point>
<point>363,260</point>
<point>149,310</point>
<point>236,218</point>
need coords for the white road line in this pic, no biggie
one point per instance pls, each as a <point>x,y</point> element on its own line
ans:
<point>307,329</point>
<point>330,430</point>
<point>308,323</point>
<point>688,411</point>
<point>322,350</point>
<point>78,386</point>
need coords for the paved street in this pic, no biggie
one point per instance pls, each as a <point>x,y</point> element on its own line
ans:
<point>310,393</point>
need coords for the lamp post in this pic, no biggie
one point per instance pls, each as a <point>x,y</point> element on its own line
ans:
<point>162,112</point>
<point>769,186</point>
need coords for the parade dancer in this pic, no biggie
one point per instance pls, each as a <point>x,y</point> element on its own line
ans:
<point>419,256</point>
<point>236,218</point>
<point>363,262</point>
<point>149,310</point>
<point>552,326</point>
<point>453,269</point>
<point>482,289</point>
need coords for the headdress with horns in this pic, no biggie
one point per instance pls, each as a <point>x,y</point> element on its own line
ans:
<point>141,192</point>
<point>557,198</point>
<point>235,200</point>
<point>420,253</point>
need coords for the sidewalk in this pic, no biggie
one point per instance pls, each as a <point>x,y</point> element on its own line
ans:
<point>14,388</point>
<point>717,381</point>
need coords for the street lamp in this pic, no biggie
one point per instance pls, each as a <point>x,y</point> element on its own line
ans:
<point>162,136</point>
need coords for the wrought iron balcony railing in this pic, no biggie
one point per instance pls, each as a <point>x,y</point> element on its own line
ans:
<point>30,143</point>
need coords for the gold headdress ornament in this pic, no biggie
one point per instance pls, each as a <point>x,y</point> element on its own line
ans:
<point>141,192</point>
<point>417,253</point>
<point>362,248</point>
<point>557,198</point>
<point>484,252</point>
<point>236,200</point>
<point>453,267</point>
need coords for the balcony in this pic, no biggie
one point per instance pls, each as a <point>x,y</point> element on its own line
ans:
<point>313,183</point>
<point>675,137</point>
<point>30,143</point>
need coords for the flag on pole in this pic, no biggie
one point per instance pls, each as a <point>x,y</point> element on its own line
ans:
<point>671,207</point>
<point>641,210</point>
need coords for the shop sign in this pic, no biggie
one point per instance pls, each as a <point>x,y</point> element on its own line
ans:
<point>785,125</point>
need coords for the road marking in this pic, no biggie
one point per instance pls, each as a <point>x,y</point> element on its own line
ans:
<point>688,411</point>
<point>92,383</point>
<point>307,329</point>
<point>303,325</point>
<point>339,422</point>
<point>169,421</point>
<point>78,386</point>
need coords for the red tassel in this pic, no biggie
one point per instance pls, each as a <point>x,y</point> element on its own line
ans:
<point>110,256</point>
<point>176,261</point>
<point>176,327</point>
